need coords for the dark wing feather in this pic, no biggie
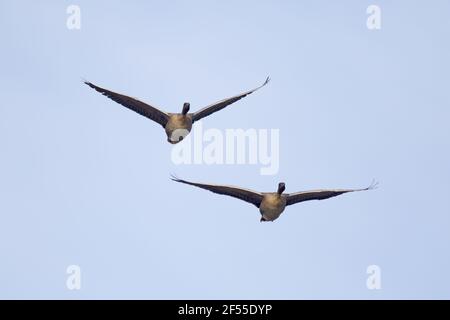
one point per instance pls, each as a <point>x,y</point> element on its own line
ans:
<point>134,104</point>
<point>217,106</point>
<point>320,194</point>
<point>235,192</point>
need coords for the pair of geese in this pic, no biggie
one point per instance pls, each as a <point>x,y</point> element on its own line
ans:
<point>270,204</point>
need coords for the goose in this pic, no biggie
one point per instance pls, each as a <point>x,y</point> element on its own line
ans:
<point>176,125</point>
<point>272,204</point>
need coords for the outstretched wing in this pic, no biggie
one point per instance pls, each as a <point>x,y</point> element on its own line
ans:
<point>321,194</point>
<point>133,104</point>
<point>235,192</point>
<point>217,106</point>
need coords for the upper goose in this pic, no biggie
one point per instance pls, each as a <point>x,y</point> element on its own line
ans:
<point>272,204</point>
<point>177,125</point>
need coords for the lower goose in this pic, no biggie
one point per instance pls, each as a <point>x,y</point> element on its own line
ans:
<point>272,204</point>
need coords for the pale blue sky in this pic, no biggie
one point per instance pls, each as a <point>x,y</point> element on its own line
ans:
<point>84,181</point>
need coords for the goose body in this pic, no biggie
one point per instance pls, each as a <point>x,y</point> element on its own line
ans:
<point>272,204</point>
<point>176,125</point>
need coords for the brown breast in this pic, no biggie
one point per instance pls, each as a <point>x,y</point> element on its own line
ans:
<point>272,206</point>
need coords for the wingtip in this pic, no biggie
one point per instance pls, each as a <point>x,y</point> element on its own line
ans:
<point>267,80</point>
<point>373,185</point>
<point>173,177</point>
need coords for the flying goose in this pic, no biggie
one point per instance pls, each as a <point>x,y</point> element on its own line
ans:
<point>176,125</point>
<point>272,204</point>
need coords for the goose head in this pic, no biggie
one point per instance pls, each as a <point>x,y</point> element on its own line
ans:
<point>281,188</point>
<point>186,107</point>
